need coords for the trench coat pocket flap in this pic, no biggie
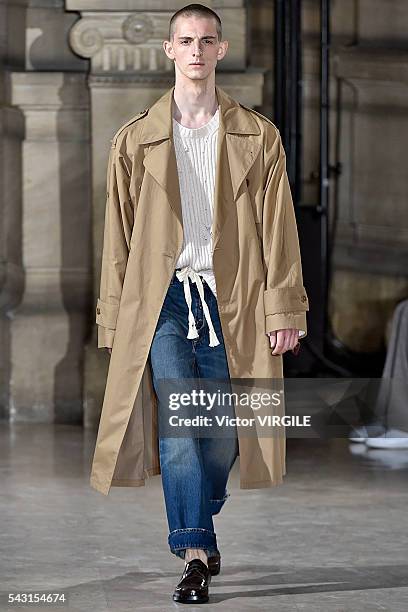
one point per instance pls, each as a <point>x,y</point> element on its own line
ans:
<point>285,299</point>
<point>106,314</point>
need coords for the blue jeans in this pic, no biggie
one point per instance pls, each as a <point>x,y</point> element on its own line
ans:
<point>194,470</point>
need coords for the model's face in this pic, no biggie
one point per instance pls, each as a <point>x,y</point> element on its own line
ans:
<point>195,48</point>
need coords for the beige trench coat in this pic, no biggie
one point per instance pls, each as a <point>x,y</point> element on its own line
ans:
<point>257,268</point>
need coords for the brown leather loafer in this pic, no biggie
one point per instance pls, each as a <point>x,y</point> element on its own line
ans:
<point>214,564</point>
<point>194,582</point>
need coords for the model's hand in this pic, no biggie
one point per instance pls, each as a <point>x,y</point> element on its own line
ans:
<point>283,340</point>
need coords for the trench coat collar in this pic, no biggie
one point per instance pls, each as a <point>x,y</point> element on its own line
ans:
<point>158,124</point>
<point>237,149</point>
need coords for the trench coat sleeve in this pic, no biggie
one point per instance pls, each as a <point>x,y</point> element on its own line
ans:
<point>285,297</point>
<point>119,215</point>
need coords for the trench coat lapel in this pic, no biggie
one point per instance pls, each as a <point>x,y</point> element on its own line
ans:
<point>237,150</point>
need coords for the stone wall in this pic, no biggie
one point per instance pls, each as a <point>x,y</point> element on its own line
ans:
<point>368,136</point>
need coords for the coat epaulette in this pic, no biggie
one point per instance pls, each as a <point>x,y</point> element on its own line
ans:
<point>257,113</point>
<point>142,113</point>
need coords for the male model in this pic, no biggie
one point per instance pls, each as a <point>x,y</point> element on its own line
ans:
<point>200,265</point>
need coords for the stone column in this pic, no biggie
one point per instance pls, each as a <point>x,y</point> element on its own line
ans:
<point>129,71</point>
<point>47,329</point>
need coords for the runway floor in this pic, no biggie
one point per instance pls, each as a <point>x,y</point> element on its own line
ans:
<point>333,538</point>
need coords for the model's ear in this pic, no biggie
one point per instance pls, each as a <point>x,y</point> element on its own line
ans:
<point>223,48</point>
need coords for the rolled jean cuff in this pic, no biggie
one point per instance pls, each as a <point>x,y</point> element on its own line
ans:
<point>217,504</point>
<point>193,537</point>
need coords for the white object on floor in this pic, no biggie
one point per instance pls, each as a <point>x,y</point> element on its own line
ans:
<point>391,439</point>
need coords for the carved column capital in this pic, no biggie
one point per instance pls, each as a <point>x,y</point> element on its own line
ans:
<point>122,42</point>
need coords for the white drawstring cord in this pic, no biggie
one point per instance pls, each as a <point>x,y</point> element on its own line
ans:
<point>183,275</point>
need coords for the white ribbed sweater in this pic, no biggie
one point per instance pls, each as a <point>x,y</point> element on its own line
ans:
<point>196,155</point>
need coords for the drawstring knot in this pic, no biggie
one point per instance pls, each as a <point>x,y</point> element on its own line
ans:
<point>183,275</point>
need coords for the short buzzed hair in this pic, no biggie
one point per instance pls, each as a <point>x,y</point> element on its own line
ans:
<point>198,10</point>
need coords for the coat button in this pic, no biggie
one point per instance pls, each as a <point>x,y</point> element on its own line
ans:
<point>303,298</point>
<point>98,310</point>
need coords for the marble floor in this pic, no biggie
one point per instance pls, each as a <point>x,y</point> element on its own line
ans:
<point>333,538</point>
